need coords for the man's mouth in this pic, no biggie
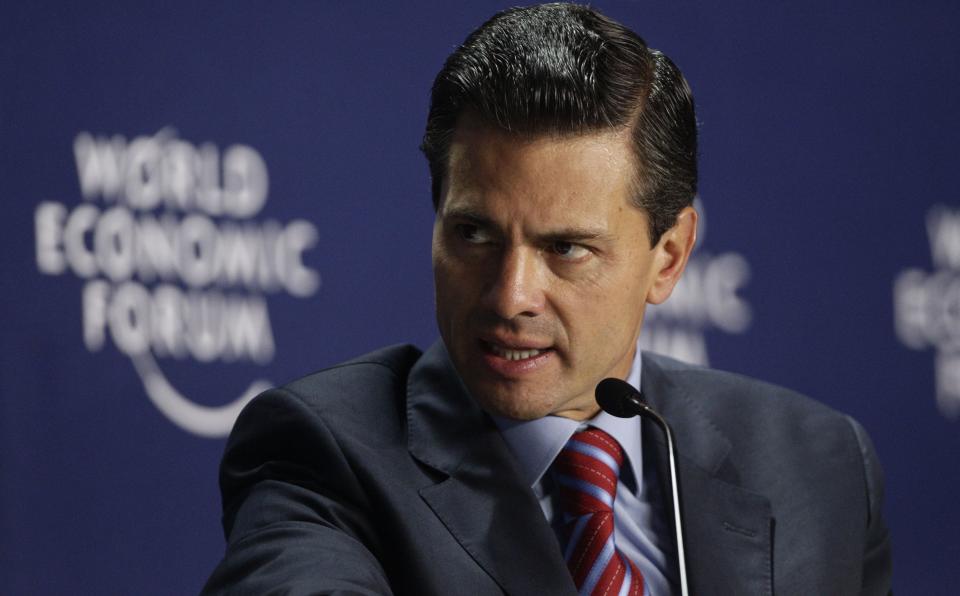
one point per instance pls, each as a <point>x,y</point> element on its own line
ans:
<point>514,353</point>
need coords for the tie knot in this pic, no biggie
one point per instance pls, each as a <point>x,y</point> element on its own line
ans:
<point>587,470</point>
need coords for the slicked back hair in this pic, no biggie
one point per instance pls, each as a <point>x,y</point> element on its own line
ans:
<point>567,69</point>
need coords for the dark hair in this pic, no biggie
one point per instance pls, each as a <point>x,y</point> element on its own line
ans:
<point>567,69</point>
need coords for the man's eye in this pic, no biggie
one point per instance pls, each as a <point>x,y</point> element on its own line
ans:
<point>569,250</point>
<point>472,233</point>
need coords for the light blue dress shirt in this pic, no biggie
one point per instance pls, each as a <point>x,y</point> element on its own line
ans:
<point>641,531</point>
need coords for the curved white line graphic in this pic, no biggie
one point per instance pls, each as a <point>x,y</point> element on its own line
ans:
<point>199,420</point>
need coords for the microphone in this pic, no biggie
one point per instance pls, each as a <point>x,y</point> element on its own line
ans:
<point>620,399</point>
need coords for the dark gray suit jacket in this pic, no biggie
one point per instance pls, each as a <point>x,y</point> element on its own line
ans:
<point>382,475</point>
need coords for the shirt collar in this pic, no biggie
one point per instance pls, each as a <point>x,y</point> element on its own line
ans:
<point>536,443</point>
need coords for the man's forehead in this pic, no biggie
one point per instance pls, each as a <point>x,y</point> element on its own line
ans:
<point>491,152</point>
<point>566,167</point>
<point>470,128</point>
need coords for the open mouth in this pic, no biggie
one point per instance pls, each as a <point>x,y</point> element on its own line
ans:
<point>514,353</point>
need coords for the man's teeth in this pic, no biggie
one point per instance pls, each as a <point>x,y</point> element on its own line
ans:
<point>514,354</point>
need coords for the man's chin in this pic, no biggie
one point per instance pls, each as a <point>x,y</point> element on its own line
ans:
<point>530,407</point>
<point>516,407</point>
<point>512,410</point>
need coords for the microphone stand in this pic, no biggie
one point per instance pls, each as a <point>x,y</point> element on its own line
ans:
<point>619,398</point>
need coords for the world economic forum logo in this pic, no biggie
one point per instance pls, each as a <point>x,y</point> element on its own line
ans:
<point>927,306</point>
<point>175,260</point>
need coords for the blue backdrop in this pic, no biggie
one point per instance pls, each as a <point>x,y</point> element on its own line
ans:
<point>201,198</point>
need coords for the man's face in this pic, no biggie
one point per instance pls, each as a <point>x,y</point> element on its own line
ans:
<point>542,268</point>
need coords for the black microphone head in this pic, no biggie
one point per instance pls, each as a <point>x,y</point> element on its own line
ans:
<point>618,398</point>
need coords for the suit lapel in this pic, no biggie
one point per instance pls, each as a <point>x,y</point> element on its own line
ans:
<point>487,507</point>
<point>481,499</point>
<point>728,531</point>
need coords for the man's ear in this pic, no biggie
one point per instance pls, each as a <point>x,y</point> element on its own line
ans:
<point>671,254</point>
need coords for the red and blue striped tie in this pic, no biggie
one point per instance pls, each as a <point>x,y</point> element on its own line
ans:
<point>586,472</point>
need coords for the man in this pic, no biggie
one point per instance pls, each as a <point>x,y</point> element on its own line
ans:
<point>563,157</point>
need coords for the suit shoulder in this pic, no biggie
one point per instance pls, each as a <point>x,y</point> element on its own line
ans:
<point>382,366</point>
<point>766,423</point>
<point>359,389</point>
<point>723,392</point>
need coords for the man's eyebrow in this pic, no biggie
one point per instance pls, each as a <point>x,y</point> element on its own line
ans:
<point>466,213</point>
<point>575,235</point>
<point>567,234</point>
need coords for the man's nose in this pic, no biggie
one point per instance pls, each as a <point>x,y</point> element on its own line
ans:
<point>517,289</point>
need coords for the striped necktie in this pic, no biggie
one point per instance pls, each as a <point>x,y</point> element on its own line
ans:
<point>586,472</point>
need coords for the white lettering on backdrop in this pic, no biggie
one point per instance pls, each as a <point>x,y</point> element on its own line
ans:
<point>175,261</point>
<point>927,306</point>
